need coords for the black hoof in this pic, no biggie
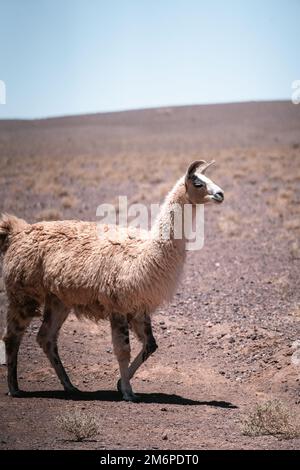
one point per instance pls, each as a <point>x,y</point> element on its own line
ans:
<point>131,398</point>
<point>126,395</point>
<point>15,393</point>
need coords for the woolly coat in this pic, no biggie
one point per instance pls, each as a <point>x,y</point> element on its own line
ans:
<point>91,274</point>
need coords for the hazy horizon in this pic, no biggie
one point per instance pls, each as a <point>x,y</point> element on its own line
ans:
<point>146,108</point>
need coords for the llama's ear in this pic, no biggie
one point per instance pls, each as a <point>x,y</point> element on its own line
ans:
<point>204,167</point>
<point>193,167</point>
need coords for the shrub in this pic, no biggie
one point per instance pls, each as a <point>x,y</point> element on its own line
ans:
<point>271,418</point>
<point>79,425</point>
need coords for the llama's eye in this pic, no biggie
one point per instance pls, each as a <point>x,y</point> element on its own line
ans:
<point>197,182</point>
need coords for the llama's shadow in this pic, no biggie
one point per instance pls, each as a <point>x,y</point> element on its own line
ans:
<point>114,396</point>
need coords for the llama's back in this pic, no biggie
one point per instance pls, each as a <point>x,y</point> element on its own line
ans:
<point>66,258</point>
<point>82,267</point>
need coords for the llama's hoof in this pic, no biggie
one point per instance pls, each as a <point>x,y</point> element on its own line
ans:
<point>131,397</point>
<point>15,393</point>
<point>127,395</point>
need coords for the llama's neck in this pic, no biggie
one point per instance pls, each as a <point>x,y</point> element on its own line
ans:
<point>170,225</point>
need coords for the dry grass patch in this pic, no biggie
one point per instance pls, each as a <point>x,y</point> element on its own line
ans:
<point>295,312</point>
<point>80,426</point>
<point>292,224</point>
<point>295,250</point>
<point>271,418</point>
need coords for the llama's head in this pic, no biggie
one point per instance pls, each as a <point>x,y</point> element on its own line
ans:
<point>200,189</point>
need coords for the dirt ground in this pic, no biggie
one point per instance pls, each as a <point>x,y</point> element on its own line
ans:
<point>226,340</point>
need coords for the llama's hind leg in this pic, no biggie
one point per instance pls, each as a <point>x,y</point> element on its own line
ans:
<point>121,344</point>
<point>142,327</point>
<point>54,316</point>
<point>19,316</point>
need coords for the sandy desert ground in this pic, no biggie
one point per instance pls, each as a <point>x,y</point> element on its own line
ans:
<point>225,341</point>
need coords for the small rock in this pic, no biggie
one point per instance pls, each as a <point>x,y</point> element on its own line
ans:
<point>220,336</point>
<point>296,344</point>
<point>2,353</point>
<point>165,437</point>
<point>296,358</point>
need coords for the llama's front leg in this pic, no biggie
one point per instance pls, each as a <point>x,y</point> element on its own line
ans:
<point>121,344</point>
<point>142,327</point>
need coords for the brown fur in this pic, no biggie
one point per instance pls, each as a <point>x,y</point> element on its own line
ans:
<point>65,265</point>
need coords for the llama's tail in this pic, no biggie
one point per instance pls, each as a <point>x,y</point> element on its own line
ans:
<point>8,225</point>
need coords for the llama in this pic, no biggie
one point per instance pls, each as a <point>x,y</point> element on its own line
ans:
<point>52,268</point>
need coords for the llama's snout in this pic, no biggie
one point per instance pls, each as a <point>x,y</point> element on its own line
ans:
<point>218,196</point>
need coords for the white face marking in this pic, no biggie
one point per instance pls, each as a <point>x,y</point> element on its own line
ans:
<point>211,187</point>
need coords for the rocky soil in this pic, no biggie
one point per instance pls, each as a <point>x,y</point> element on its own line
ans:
<point>227,340</point>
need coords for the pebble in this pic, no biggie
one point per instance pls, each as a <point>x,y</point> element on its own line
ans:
<point>296,344</point>
<point>295,359</point>
<point>2,353</point>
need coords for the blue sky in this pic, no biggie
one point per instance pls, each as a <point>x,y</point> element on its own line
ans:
<point>79,56</point>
